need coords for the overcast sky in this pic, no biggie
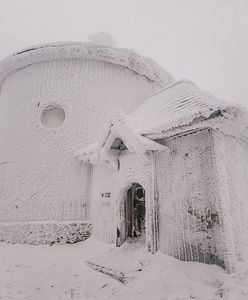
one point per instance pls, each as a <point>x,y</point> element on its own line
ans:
<point>202,40</point>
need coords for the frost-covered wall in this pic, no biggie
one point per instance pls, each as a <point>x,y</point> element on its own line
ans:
<point>45,232</point>
<point>109,190</point>
<point>188,206</point>
<point>235,173</point>
<point>103,203</point>
<point>40,180</point>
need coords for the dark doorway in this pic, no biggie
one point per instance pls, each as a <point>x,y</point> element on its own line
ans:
<point>135,212</point>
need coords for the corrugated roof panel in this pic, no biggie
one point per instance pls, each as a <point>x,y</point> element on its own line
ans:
<point>180,101</point>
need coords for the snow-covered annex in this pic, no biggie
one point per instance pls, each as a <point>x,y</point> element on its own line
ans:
<point>97,139</point>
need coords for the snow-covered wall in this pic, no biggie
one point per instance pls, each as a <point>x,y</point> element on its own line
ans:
<point>109,190</point>
<point>44,232</point>
<point>47,111</point>
<point>188,209</point>
<point>235,155</point>
<point>103,203</point>
<point>196,197</point>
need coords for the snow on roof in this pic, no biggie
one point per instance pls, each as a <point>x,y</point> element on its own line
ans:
<point>102,49</point>
<point>118,127</point>
<point>179,104</point>
<point>176,106</point>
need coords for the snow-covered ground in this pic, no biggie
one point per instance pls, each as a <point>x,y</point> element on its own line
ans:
<point>59,272</point>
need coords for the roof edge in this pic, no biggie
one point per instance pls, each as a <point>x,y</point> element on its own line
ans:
<point>141,65</point>
<point>118,127</point>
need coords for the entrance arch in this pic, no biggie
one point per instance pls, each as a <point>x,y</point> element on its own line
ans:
<point>135,211</point>
<point>132,215</point>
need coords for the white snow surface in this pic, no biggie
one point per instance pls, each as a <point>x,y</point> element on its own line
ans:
<point>118,126</point>
<point>59,272</point>
<point>180,104</point>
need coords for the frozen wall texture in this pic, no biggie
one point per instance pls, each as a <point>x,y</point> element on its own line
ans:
<point>107,212</point>
<point>47,111</point>
<point>189,224</point>
<point>104,202</point>
<point>235,154</point>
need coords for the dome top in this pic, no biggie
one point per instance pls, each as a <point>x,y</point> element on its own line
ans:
<point>101,47</point>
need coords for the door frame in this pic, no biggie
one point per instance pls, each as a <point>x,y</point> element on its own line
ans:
<point>151,217</point>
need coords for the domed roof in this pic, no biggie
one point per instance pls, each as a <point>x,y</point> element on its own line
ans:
<point>102,48</point>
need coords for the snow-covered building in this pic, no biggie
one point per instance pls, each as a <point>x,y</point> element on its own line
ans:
<point>189,153</point>
<point>98,139</point>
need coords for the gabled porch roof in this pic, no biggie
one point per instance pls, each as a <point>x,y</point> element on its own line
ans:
<point>178,108</point>
<point>118,127</point>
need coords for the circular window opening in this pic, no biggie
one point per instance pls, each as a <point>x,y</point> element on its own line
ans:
<point>52,116</point>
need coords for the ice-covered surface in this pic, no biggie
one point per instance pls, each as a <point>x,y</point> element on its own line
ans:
<point>41,180</point>
<point>59,273</point>
<point>190,219</point>
<point>118,126</point>
<point>182,103</point>
<point>45,232</point>
<point>207,231</point>
<point>102,47</point>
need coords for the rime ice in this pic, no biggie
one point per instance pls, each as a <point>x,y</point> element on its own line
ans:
<point>82,124</point>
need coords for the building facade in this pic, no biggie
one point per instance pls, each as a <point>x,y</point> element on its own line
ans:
<point>55,99</point>
<point>99,140</point>
<point>188,151</point>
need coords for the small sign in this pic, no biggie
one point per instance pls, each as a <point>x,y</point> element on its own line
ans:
<point>107,195</point>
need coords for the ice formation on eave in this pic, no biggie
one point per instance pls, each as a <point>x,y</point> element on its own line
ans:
<point>179,105</point>
<point>118,127</point>
<point>101,48</point>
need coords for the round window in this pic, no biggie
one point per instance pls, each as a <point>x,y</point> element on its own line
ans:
<point>52,116</point>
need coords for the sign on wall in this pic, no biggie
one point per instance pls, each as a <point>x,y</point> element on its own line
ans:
<point>106,195</point>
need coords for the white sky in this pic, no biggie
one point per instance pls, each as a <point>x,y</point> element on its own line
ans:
<point>202,40</point>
